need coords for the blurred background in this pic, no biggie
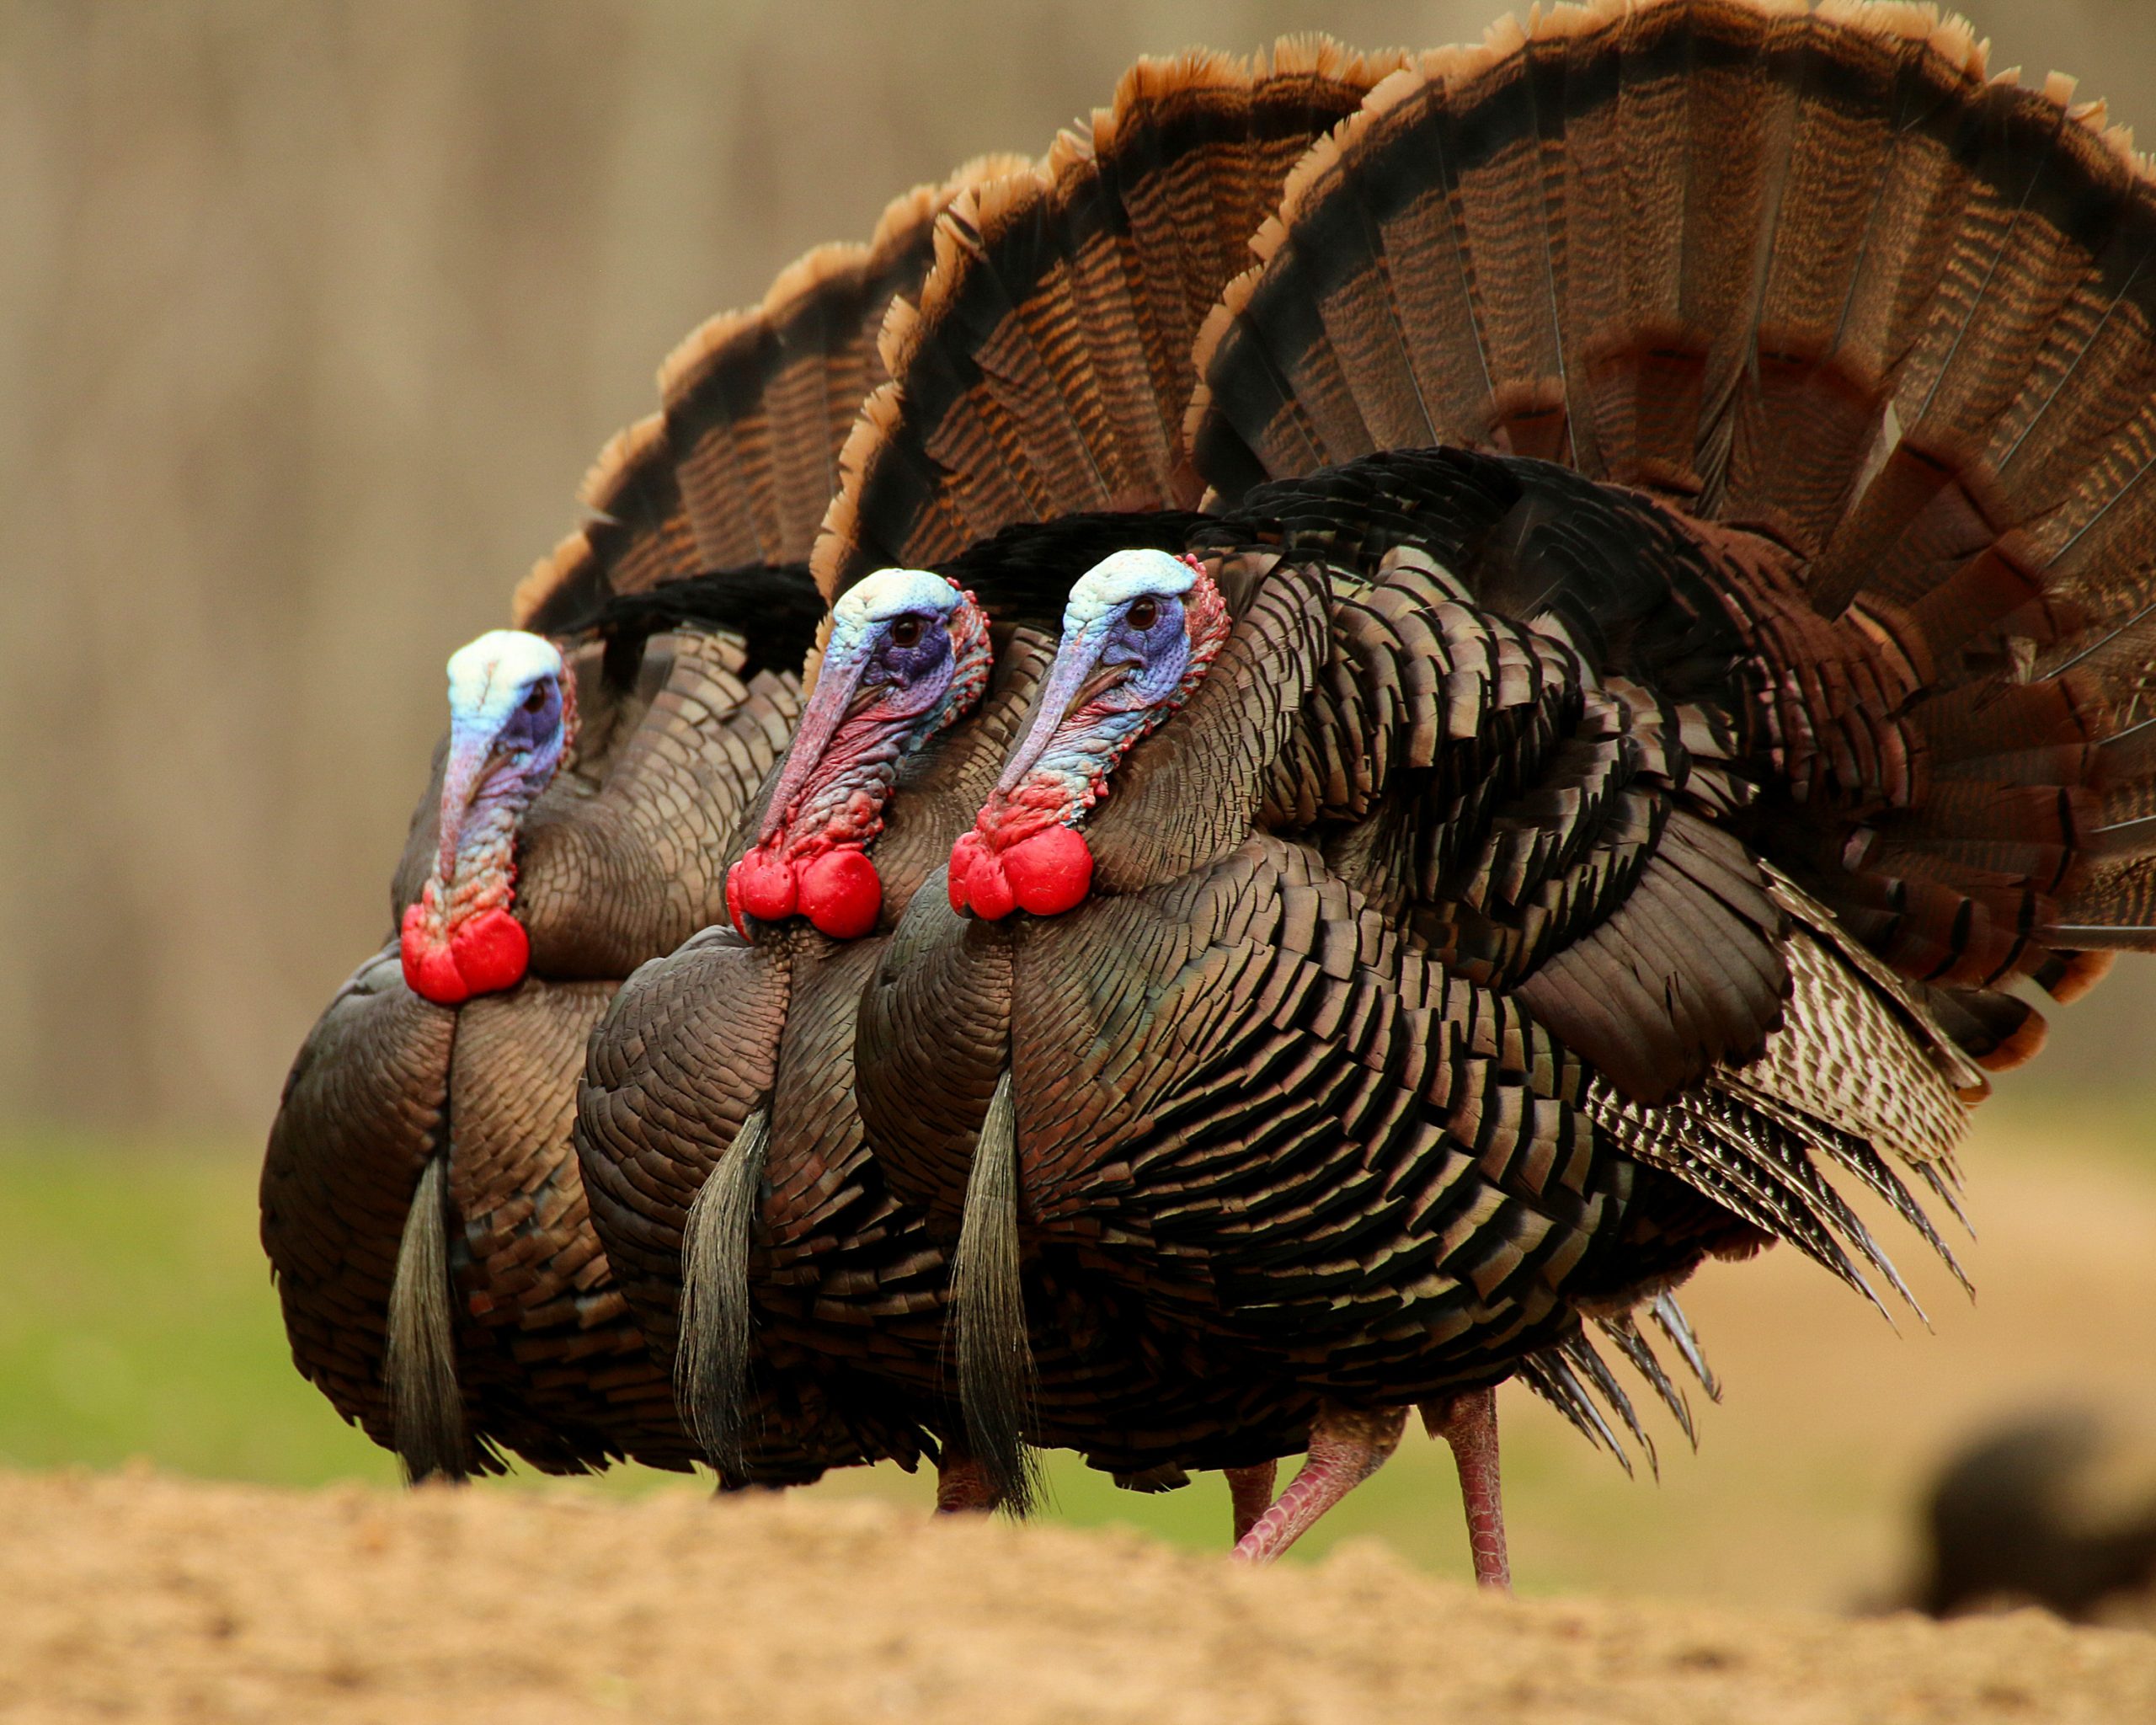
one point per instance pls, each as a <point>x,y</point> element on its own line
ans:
<point>311,318</point>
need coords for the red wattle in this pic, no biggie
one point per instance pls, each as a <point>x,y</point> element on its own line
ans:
<point>491,951</point>
<point>988,889</point>
<point>1051,872</point>
<point>965,857</point>
<point>430,971</point>
<point>733,912</point>
<point>766,884</point>
<point>841,893</point>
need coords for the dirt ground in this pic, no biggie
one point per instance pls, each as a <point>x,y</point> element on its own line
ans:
<point>143,1597</point>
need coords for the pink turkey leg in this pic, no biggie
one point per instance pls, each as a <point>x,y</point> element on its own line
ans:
<point>1249,1490</point>
<point>1469,1424</point>
<point>961,1484</point>
<point>1347,1447</point>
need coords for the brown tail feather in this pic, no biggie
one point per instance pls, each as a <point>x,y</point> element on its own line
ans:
<point>1813,275</point>
<point>1046,371</point>
<point>759,403</point>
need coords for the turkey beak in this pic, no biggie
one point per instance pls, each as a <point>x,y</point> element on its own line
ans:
<point>1071,680</point>
<point>828,708</point>
<point>471,753</point>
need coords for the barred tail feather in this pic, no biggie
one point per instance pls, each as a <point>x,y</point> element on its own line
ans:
<point>738,467</point>
<point>1046,370</point>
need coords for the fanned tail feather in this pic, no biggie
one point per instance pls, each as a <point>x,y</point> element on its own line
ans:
<point>1046,370</point>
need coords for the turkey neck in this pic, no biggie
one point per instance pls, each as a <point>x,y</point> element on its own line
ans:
<point>932,1038</point>
<point>938,789</point>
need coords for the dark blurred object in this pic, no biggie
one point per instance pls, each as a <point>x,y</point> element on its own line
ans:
<point>2057,1509</point>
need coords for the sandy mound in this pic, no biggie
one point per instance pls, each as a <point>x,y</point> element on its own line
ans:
<point>144,1597</point>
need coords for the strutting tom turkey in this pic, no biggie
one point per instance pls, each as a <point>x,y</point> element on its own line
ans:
<point>1674,650</point>
<point>421,1204</point>
<point>728,1068</point>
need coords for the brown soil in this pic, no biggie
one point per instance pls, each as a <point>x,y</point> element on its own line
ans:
<point>144,1597</point>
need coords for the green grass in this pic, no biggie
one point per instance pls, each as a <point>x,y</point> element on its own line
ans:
<point>137,1320</point>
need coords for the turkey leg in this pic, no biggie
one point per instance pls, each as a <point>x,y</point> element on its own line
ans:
<point>1347,1446</point>
<point>962,1483</point>
<point>1249,1490</point>
<point>1469,1424</point>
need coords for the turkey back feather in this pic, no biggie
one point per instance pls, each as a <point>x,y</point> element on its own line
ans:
<point>1046,369</point>
<point>1875,331</point>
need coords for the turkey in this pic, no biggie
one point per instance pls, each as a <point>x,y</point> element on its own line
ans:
<point>717,1123</point>
<point>421,1205</point>
<point>1670,655</point>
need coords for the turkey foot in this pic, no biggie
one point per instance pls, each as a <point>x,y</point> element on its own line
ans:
<point>961,1484</point>
<point>1469,1424</point>
<point>1347,1446</point>
<point>1249,1490</point>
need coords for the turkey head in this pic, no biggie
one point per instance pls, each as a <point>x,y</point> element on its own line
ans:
<point>1139,631</point>
<point>908,655</point>
<point>512,714</point>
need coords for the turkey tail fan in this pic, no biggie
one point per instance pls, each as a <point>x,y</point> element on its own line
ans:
<point>419,1362</point>
<point>1046,370</point>
<point>711,1365</point>
<point>1877,330</point>
<point>988,1315</point>
<point>737,470</point>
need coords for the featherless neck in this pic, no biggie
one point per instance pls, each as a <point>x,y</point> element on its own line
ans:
<point>843,803</point>
<point>485,878</point>
<point>1071,775</point>
<point>1140,632</point>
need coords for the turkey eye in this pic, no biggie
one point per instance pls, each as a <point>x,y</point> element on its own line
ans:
<point>537,699</point>
<point>1143,614</point>
<point>906,631</point>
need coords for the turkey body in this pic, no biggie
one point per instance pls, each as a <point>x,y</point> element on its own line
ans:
<point>1700,449</point>
<point>1259,1121</point>
<point>551,1364</point>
